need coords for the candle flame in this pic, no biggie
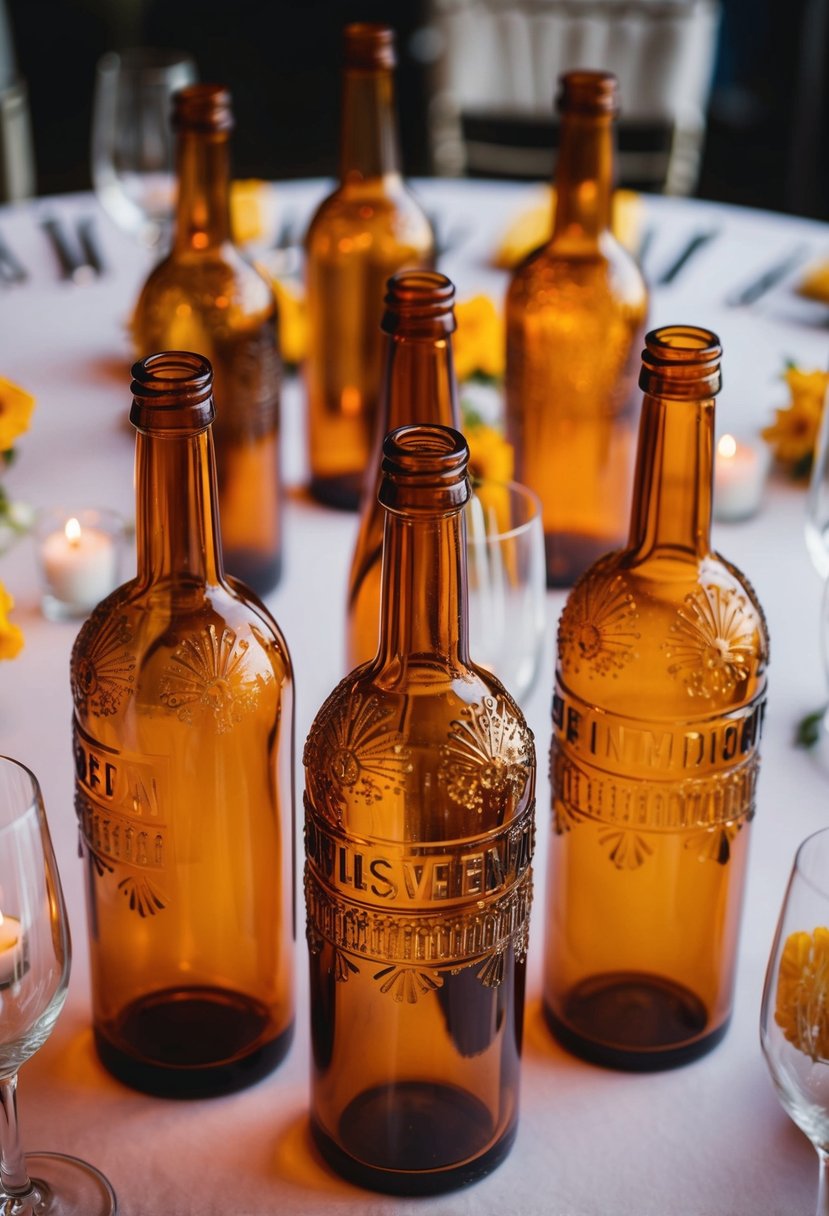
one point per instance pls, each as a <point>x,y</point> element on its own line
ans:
<point>73,531</point>
<point>2,918</point>
<point>727,447</point>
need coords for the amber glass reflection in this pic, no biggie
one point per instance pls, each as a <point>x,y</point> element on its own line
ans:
<point>420,778</point>
<point>370,227</point>
<point>183,738</point>
<point>205,297</point>
<point>418,386</point>
<point>576,312</point>
<point>657,715</point>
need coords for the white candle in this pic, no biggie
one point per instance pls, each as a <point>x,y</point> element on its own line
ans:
<point>12,953</point>
<point>739,477</point>
<point>80,564</point>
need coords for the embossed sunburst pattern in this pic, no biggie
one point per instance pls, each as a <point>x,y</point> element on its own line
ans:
<point>207,680</point>
<point>353,753</point>
<point>598,628</point>
<point>103,668</point>
<point>713,642</point>
<point>488,755</point>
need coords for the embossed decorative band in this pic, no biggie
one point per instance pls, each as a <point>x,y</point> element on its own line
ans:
<point>114,838</point>
<point>617,744</point>
<point>452,939</point>
<point>419,876</point>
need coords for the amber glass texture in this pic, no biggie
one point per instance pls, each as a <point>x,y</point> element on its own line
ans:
<point>657,717</point>
<point>576,312</point>
<point>369,228</point>
<point>183,726</point>
<point>418,386</point>
<point>419,804</point>
<point>205,297</point>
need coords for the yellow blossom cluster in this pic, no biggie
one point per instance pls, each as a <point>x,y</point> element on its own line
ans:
<point>491,457</point>
<point>478,342</point>
<point>802,1005</point>
<point>793,433</point>
<point>15,414</point>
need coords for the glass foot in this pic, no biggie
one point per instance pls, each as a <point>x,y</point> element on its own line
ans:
<point>63,1186</point>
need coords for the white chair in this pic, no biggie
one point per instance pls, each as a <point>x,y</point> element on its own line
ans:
<point>495,78</point>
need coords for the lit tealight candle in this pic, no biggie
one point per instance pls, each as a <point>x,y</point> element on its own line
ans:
<point>739,477</point>
<point>80,563</point>
<point>12,951</point>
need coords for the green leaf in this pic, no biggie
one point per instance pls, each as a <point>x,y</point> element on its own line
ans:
<point>470,417</point>
<point>808,728</point>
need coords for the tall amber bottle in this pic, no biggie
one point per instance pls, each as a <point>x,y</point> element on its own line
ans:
<point>420,780</point>
<point>418,386</point>
<point>205,297</point>
<point>183,748</point>
<point>657,714</point>
<point>576,311</point>
<point>370,227</point>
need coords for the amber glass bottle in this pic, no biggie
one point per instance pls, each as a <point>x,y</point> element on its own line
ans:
<point>183,749</point>
<point>576,311</point>
<point>420,780</point>
<point>370,227</point>
<point>657,713</point>
<point>418,386</point>
<point>205,297</point>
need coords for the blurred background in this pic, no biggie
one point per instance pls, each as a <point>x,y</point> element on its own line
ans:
<point>761,77</point>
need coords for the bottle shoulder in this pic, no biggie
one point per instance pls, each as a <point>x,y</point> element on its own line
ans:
<point>556,276</point>
<point>370,211</point>
<point>218,287</point>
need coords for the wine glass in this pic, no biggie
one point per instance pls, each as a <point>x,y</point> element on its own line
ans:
<point>507,582</point>
<point>817,542</point>
<point>34,972</point>
<point>794,1023</point>
<point>132,139</point>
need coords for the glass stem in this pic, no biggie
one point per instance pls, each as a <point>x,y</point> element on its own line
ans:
<point>13,1173</point>
<point>822,1208</point>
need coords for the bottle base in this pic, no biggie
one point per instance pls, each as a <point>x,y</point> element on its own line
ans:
<point>192,1042</point>
<point>634,1022</point>
<point>569,554</point>
<point>415,1138</point>
<point>344,492</point>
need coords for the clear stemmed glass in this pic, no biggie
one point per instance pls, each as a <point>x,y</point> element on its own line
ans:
<point>132,140</point>
<point>817,542</point>
<point>507,582</point>
<point>34,972</point>
<point>794,1023</point>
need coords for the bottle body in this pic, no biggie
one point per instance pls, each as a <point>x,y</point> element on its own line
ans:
<point>418,386</point>
<point>419,833</point>
<point>657,718</point>
<point>183,722</point>
<point>205,297</point>
<point>367,230</point>
<point>575,314</point>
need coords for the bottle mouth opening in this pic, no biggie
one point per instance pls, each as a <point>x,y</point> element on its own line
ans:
<point>369,46</point>
<point>419,295</point>
<point>590,93</point>
<point>424,470</point>
<point>204,108</point>
<point>681,361</point>
<point>172,391</point>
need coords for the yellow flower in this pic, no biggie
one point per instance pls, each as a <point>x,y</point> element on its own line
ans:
<point>815,283</point>
<point>293,323</point>
<point>802,1006</point>
<point>534,226</point>
<point>793,433</point>
<point>15,412</point>
<point>491,457</point>
<point>11,638</point>
<point>478,342</point>
<point>247,210</point>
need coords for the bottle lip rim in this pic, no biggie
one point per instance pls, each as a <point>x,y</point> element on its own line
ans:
<point>682,362</point>
<point>369,46</point>
<point>424,470</point>
<point>588,92</point>
<point>418,295</point>
<point>204,108</point>
<point>172,392</point>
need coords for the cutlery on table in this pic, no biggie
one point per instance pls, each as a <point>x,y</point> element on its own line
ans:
<point>693,246</point>
<point>89,244</point>
<point>769,278</point>
<point>11,270</point>
<point>74,260</point>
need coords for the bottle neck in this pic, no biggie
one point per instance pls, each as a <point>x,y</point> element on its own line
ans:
<point>177,527</point>
<point>671,511</point>
<point>420,383</point>
<point>369,145</point>
<point>584,178</point>
<point>423,605</point>
<point>203,207</point>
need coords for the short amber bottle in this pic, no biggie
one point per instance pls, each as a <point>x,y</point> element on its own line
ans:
<point>183,744</point>
<point>205,297</point>
<point>370,227</point>
<point>418,386</point>
<point>657,716</point>
<point>419,778</point>
<point>576,313</point>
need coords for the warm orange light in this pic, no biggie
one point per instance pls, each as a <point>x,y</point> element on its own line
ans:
<point>199,240</point>
<point>350,401</point>
<point>72,531</point>
<point>727,447</point>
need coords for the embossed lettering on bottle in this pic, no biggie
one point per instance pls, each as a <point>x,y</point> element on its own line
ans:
<point>419,831</point>
<point>657,719</point>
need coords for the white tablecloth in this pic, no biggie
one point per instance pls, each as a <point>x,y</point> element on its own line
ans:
<point>706,1140</point>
